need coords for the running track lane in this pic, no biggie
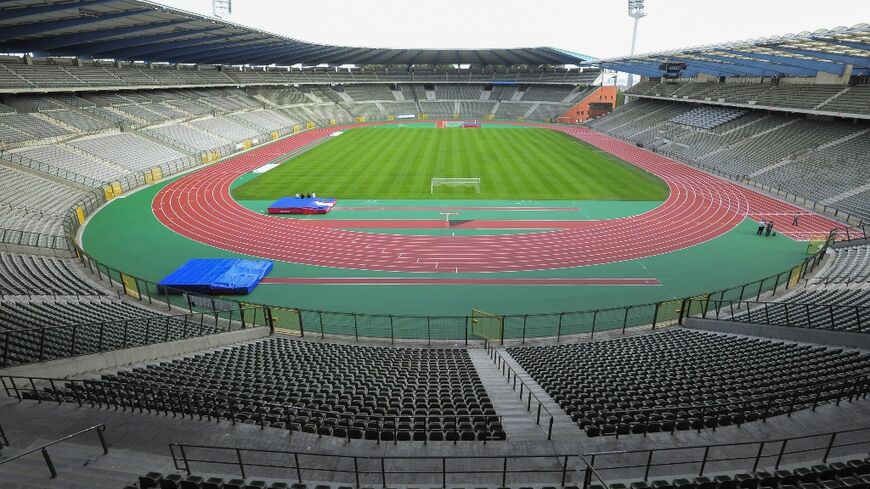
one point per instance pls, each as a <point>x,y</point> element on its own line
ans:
<point>699,208</point>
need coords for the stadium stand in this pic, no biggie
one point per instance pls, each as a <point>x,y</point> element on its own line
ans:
<point>816,158</point>
<point>823,98</point>
<point>129,151</point>
<point>22,274</point>
<point>346,391</point>
<point>661,382</point>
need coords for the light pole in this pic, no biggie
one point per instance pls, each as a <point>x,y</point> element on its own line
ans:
<point>636,12</point>
<point>221,8</point>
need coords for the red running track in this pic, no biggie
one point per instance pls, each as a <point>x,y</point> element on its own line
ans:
<point>699,208</point>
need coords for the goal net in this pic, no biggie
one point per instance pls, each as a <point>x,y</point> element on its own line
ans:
<point>454,182</point>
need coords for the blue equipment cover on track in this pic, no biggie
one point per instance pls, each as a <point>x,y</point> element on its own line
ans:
<point>293,205</point>
<point>217,276</point>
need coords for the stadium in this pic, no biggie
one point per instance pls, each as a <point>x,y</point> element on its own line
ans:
<point>231,259</point>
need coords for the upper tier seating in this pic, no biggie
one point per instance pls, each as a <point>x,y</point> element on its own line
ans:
<point>546,93</point>
<point>708,117</point>
<point>632,385</point>
<point>819,159</point>
<point>829,98</point>
<point>362,93</point>
<point>809,308</point>
<point>458,92</point>
<point>65,158</point>
<point>348,391</point>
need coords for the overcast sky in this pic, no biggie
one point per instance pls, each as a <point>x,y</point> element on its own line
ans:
<point>601,28</point>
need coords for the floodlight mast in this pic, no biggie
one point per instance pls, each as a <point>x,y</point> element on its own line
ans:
<point>636,12</point>
<point>221,8</point>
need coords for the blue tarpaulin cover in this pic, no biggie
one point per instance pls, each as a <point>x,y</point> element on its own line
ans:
<point>292,205</point>
<point>217,276</point>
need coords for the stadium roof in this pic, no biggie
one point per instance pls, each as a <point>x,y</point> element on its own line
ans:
<point>144,31</point>
<point>804,54</point>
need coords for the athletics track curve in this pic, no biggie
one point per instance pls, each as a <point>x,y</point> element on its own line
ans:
<point>699,208</point>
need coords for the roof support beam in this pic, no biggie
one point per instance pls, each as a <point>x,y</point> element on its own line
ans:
<point>637,69</point>
<point>33,28</point>
<point>174,53</point>
<point>772,68</point>
<point>55,42</point>
<point>144,51</point>
<point>242,55</point>
<point>849,44</point>
<point>19,13</point>
<point>121,48</point>
<point>825,66</point>
<point>719,69</point>
<point>264,54</point>
<point>839,58</point>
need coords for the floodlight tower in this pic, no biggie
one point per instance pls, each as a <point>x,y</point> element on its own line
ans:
<point>636,12</point>
<point>221,8</point>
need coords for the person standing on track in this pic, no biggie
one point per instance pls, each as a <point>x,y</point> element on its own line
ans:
<point>794,219</point>
<point>761,225</point>
<point>768,228</point>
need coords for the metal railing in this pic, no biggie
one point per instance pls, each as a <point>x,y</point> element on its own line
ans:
<point>320,323</point>
<point>833,317</point>
<point>24,346</point>
<point>4,442</point>
<point>524,390</point>
<point>99,429</point>
<point>215,407</point>
<point>557,469</point>
<point>373,471</point>
<point>732,457</point>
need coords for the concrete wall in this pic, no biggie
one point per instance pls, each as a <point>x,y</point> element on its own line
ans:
<point>809,335</point>
<point>67,367</point>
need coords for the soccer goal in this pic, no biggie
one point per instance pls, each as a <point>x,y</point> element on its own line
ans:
<point>454,182</point>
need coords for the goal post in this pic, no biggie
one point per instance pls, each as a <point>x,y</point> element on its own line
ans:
<point>454,182</point>
<point>488,326</point>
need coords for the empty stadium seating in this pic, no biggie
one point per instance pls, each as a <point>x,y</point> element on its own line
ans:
<point>815,158</point>
<point>346,391</point>
<point>22,274</point>
<point>662,382</point>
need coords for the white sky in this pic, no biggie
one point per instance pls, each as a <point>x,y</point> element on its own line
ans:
<point>598,28</point>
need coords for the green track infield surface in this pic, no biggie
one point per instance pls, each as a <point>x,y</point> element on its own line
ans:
<point>399,163</point>
<point>126,236</point>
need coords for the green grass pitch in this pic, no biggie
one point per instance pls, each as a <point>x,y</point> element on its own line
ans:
<point>399,163</point>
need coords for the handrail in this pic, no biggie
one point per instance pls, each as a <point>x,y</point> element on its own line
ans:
<point>99,428</point>
<point>778,451</point>
<point>793,314</point>
<point>202,404</point>
<point>4,442</point>
<point>558,467</point>
<point>507,371</point>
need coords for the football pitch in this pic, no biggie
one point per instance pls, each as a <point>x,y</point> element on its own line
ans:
<point>399,163</point>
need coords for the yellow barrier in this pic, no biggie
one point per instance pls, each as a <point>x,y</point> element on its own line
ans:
<point>158,173</point>
<point>359,119</point>
<point>423,116</point>
<point>109,193</point>
<point>490,117</point>
<point>794,277</point>
<point>391,117</point>
<point>131,288</point>
<point>275,134</point>
<point>286,321</point>
<point>310,125</point>
<point>80,214</point>
<point>116,188</point>
<point>331,122</point>
<point>149,178</point>
<point>297,127</point>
